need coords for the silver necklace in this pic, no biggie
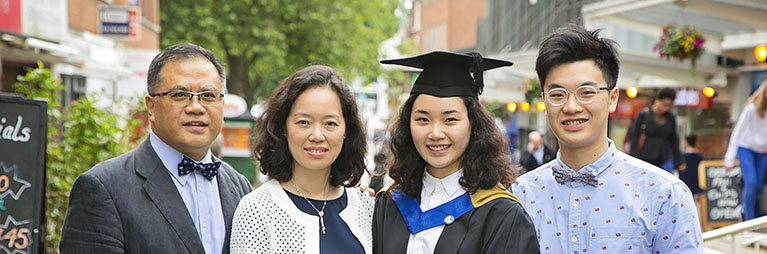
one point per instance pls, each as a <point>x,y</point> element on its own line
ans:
<point>320,212</point>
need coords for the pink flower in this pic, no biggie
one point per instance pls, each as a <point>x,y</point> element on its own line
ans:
<point>699,42</point>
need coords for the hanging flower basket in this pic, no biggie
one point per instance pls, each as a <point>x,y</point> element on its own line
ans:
<point>532,90</point>
<point>680,43</point>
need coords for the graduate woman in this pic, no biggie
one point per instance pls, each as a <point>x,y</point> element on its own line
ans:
<point>450,168</point>
<point>310,141</point>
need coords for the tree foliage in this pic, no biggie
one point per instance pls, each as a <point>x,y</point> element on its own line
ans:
<point>264,41</point>
<point>79,136</point>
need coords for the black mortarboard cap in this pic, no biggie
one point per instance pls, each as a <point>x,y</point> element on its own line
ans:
<point>448,74</point>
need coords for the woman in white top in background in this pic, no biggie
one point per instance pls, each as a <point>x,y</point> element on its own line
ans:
<point>749,142</point>
<point>310,141</point>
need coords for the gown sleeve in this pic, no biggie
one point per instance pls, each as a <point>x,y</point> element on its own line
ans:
<point>510,230</point>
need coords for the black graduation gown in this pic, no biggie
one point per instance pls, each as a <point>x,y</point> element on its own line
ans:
<point>498,226</point>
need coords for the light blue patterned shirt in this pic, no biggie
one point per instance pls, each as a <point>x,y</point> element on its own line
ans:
<point>635,208</point>
<point>200,196</point>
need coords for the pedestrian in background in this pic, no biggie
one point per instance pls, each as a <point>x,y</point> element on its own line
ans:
<point>594,198</point>
<point>749,142</point>
<point>658,125</point>
<point>311,142</point>
<point>692,159</point>
<point>377,178</point>
<point>450,167</point>
<point>537,153</point>
<point>169,195</point>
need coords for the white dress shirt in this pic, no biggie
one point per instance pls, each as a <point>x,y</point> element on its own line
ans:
<point>538,154</point>
<point>434,193</point>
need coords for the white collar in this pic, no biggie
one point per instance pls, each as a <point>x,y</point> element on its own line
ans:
<point>171,157</point>
<point>449,183</point>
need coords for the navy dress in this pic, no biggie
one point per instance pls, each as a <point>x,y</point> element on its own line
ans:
<point>338,238</point>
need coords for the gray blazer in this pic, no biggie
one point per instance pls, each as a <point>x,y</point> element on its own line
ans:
<point>129,204</point>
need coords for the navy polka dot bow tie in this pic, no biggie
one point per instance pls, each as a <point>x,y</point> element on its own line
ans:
<point>562,176</point>
<point>188,165</point>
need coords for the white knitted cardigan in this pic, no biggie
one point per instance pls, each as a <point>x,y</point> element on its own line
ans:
<point>267,221</point>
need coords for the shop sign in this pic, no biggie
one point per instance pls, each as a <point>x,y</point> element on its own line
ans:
<point>693,98</point>
<point>236,138</point>
<point>234,105</point>
<point>628,108</point>
<point>119,22</point>
<point>10,14</point>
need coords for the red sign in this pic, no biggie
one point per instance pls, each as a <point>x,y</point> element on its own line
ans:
<point>628,108</point>
<point>10,16</point>
<point>692,98</point>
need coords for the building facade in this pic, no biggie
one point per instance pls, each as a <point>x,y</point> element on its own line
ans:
<point>92,46</point>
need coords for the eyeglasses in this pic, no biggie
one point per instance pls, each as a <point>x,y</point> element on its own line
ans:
<point>181,97</point>
<point>584,94</point>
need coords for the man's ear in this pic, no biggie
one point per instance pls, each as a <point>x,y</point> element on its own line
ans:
<point>149,102</point>
<point>614,95</point>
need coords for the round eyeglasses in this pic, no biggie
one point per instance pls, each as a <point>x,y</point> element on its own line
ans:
<point>183,97</point>
<point>584,94</point>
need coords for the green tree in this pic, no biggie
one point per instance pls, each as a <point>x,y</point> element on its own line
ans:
<point>79,137</point>
<point>264,41</point>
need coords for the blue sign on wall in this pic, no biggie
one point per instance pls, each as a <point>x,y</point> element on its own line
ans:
<point>757,78</point>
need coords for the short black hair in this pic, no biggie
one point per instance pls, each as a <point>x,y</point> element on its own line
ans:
<point>691,139</point>
<point>666,93</point>
<point>179,52</point>
<point>574,43</point>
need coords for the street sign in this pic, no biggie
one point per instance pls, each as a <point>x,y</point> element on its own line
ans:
<point>23,126</point>
<point>120,22</point>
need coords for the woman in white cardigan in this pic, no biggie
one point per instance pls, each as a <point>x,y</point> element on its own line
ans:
<point>310,141</point>
<point>748,142</point>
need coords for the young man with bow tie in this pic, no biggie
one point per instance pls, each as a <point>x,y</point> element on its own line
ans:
<point>170,195</point>
<point>593,198</point>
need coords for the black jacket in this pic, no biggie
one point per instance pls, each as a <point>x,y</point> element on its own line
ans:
<point>529,163</point>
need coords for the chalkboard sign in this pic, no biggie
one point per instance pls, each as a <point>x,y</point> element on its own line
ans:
<point>723,192</point>
<point>22,174</point>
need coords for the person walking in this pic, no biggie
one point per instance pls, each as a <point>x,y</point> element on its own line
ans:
<point>749,142</point>
<point>658,125</point>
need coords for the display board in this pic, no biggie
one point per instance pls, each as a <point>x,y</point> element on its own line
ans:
<point>723,193</point>
<point>22,174</point>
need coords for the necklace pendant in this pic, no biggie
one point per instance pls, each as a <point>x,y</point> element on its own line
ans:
<point>322,222</point>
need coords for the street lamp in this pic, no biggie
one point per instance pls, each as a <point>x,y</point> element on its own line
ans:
<point>708,92</point>
<point>760,52</point>
<point>631,92</point>
<point>540,106</point>
<point>511,107</point>
<point>525,106</point>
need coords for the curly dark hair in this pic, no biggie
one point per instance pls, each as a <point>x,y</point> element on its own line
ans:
<point>486,161</point>
<point>271,147</point>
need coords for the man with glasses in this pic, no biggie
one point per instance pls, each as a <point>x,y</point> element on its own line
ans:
<point>170,195</point>
<point>593,198</point>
